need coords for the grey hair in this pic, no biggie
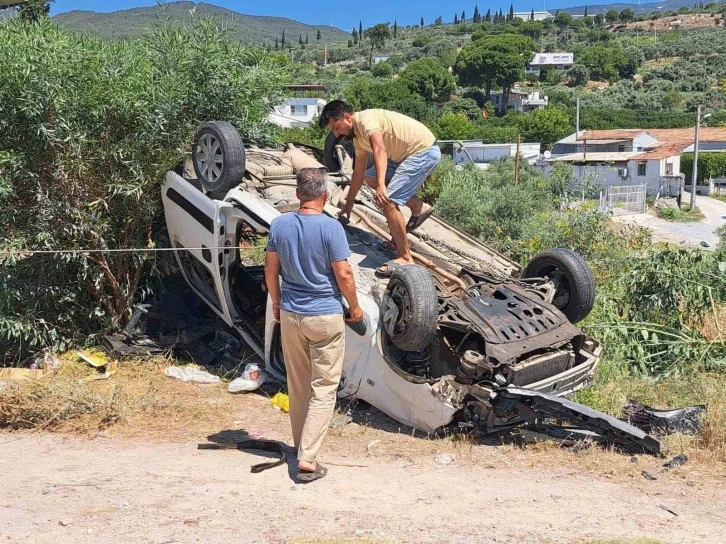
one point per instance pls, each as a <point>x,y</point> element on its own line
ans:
<point>311,183</point>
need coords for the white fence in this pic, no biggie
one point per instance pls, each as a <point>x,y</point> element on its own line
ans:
<point>625,199</point>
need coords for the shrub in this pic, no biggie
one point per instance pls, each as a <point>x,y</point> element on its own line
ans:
<point>382,69</point>
<point>88,129</point>
<point>421,40</point>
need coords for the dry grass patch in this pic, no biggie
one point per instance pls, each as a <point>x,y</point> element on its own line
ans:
<point>138,400</point>
<point>672,392</point>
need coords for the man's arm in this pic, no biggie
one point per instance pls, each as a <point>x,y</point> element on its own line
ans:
<point>346,284</point>
<point>380,159</point>
<point>272,279</point>
<point>356,181</point>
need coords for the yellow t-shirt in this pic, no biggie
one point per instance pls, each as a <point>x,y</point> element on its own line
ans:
<point>402,135</point>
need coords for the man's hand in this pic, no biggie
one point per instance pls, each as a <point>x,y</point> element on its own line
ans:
<point>382,197</point>
<point>355,315</point>
<point>347,209</point>
<point>276,311</point>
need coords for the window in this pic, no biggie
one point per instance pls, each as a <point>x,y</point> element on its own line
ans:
<point>642,168</point>
<point>299,111</point>
<point>621,148</point>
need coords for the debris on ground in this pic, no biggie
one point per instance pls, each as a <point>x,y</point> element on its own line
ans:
<point>174,323</point>
<point>22,374</point>
<point>97,360</point>
<point>648,476</point>
<point>252,378</point>
<point>677,461</point>
<point>371,444</point>
<point>191,374</point>
<point>662,422</point>
<point>664,507</point>
<point>534,407</point>
<point>281,402</point>
<point>444,459</point>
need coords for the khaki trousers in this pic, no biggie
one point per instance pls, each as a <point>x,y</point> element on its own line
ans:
<point>313,347</point>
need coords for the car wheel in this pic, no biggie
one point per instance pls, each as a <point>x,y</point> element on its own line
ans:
<point>331,156</point>
<point>410,308</point>
<point>219,156</point>
<point>573,280</point>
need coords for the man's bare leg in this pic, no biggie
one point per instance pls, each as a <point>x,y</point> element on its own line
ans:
<point>397,227</point>
<point>416,206</point>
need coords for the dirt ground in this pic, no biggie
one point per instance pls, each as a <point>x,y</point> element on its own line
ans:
<point>142,480</point>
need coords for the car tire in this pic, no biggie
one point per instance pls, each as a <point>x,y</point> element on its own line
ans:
<point>574,282</point>
<point>331,157</point>
<point>218,155</point>
<point>411,308</point>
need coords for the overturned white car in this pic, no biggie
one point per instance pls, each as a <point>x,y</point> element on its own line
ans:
<point>441,337</point>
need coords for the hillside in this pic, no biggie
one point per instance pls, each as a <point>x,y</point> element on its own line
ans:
<point>255,29</point>
<point>620,6</point>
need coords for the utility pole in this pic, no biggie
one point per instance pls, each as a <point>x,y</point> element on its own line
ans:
<point>577,120</point>
<point>695,160</point>
<point>516,162</point>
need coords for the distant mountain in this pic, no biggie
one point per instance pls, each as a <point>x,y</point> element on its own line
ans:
<point>637,8</point>
<point>251,29</point>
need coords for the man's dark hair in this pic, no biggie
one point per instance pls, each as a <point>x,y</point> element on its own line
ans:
<point>333,110</point>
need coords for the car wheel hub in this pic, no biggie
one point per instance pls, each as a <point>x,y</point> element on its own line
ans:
<point>210,159</point>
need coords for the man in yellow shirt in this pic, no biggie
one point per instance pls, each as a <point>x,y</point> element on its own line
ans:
<point>404,155</point>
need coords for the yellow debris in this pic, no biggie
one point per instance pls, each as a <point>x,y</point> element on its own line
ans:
<point>282,401</point>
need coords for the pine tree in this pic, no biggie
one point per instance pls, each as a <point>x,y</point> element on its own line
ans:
<point>350,43</point>
<point>585,11</point>
<point>463,17</point>
<point>456,18</point>
<point>283,39</point>
<point>360,30</point>
<point>355,34</point>
<point>477,17</point>
<point>511,12</point>
<point>422,22</point>
<point>395,29</point>
<point>277,44</point>
<point>299,41</point>
<point>488,17</point>
<point>306,39</point>
<point>318,36</point>
<point>501,15</point>
<point>531,15</point>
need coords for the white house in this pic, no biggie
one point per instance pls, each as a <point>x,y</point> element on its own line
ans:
<point>527,15</point>
<point>520,100</point>
<point>376,60</point>
<point>650,157</point>
<point>482,155</point>
<point>559,61</point>
<point>297,112</point>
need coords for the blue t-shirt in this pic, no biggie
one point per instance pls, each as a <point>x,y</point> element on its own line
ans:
<point>308,245</point>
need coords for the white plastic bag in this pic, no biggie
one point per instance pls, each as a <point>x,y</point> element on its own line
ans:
<point>191,374</point>
<point>251,379</point>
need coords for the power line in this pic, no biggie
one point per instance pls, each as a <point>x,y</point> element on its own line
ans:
<point>27,252</point>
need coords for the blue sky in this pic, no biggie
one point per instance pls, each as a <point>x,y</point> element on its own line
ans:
<point>341,13</point>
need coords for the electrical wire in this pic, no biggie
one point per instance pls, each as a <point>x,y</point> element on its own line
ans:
<point>26,252</point>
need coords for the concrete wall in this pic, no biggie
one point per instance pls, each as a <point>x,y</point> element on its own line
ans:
<point>490,153</point>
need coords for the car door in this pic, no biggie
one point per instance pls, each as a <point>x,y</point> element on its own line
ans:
<point>197,231</point>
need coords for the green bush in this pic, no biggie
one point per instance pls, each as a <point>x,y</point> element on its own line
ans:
<point>710,165</point>
<point>88,129</point>
<point>421,40</point>
<point>382,69</point>
<point>487,203</point>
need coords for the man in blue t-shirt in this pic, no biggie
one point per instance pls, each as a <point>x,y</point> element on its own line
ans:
<point>310,250</point>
